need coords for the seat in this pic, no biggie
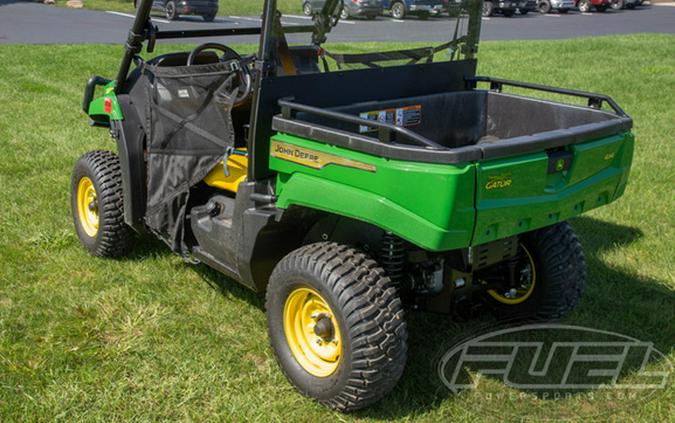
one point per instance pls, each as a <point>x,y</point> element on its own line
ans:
<point>237,166</point>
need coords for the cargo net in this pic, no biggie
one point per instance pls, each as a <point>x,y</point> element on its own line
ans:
<point>190,129</point>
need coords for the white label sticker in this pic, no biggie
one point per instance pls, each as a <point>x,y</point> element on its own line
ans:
<point>402,116</point>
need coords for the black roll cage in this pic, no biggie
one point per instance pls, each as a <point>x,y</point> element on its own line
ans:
<point>278,99</point>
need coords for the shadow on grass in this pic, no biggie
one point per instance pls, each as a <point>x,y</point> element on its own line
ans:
<point>420,389</point>
<point>229,287</point>
<point>431,335</point>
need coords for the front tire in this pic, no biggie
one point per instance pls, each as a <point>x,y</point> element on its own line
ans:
<point>584,6</point>
<point>97,205</point>
<point>209,17</point>
<point>336,325</point>
<point>554,267</point>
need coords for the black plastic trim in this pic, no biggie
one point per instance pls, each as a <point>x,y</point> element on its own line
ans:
<point>225,32</point>
<point>89,90</point>
<point>372,146</point>
<point>130,149</point>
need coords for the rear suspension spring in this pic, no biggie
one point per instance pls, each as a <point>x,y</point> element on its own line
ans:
<point>392,256</point>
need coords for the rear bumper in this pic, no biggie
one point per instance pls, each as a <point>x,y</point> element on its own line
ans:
<point>366,10</point>
<point>423,8</point>
<point>196,8</point>
<point>513,5</point>
<point>562,4</point>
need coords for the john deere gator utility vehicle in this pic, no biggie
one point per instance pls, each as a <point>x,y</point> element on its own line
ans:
<point>350,184</point>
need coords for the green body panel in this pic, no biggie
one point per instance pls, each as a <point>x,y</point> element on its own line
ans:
<point>443,207</point>
<point>97,105</point>
<point>428,204</point>
<point>534,198</point>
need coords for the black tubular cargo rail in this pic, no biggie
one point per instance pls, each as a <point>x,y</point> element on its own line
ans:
<point>460,126</point>
<point>594,100</point>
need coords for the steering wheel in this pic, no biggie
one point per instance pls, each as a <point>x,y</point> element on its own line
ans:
<point>245,78</point>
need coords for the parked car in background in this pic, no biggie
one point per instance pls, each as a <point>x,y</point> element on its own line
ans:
<point>369,9</point>
<point>562,6</point>
<point>173,9</point>
<point>585,6</point>
<point>625,4</point>
<point>507,8</point>
<point>422,8</point>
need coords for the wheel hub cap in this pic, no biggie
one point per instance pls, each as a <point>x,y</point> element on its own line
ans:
<point>312,332</point>
<point>87,206</point>
<point>527,278</point>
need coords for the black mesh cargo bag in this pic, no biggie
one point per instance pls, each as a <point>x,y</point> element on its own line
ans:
<point>189,127</point>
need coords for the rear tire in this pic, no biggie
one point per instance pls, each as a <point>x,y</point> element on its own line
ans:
<point>209,18</point>
<point>559,274</point>
<point>97,205</point>
<point>398,10</point>
<point>617,4</point>
<point>170,10</point>
<point>330,296</point>
<point>307,9</point>
<point>488,9</point>
<point>344,15</point>
<point>544,7</point>
<point>584,6</point>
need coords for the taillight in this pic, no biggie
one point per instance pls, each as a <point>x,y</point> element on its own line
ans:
<point>107,105</point>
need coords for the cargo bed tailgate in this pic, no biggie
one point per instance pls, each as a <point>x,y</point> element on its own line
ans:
<point>522,193</point>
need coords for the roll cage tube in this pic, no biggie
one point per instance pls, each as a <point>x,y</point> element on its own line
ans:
<point>325,20</point>
<point>143,29</point>
<point>140,31</point>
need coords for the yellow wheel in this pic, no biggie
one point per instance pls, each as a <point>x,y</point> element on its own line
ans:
<point>87,206</point>
<point>527,281</point>
<point>312,332</point>
<point>548,279</point>
<point>97,204</point>
<point>336,325</point>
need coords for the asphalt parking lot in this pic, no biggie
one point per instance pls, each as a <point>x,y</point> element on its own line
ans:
<point>34,23</point>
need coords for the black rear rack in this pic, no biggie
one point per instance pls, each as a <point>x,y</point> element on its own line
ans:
<point>594,100</point>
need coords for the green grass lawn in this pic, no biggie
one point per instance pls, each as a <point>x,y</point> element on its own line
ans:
<point>152,338</point>
<point>227,7</point>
